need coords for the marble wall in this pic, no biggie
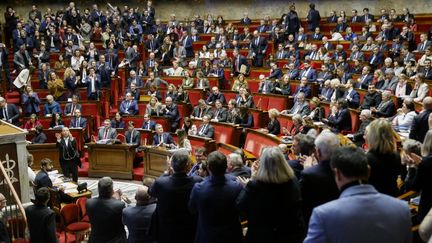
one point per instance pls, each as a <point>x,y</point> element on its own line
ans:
<point>234,9</point>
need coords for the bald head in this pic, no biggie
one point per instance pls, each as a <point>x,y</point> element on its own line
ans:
<point>142,196</point>
<point>427,103</point>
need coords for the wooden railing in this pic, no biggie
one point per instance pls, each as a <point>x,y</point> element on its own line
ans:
<point>13,214</point>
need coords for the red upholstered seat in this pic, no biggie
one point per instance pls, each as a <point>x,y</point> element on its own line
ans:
<point>142,108</point>
<point>253,85</point>
<point>256,141</point>
<point>194,96</point>
<point>70,215</point>
<point>261,101</point>
<point>78,226</point>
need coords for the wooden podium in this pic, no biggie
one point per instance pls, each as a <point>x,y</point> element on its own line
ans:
<point>114,160</point>
<point>45,150</point>
<point>155,161</point>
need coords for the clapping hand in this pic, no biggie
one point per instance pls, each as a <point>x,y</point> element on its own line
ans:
<point>58,136</point>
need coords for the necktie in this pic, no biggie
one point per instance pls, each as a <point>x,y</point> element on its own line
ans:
<point>73,110</point>
<point>280,55</point>
<point>201,113</point>
<point>92,85</point>
<point>203,129</point>
<point>131,137</point>
<point>257,41</point>
<point>160,139</point>
<point>106,134</point>
<point>147,126</point>
<point>5,115</point>
<point>372,60</point>
<point>306,73</point>
<point>78,122</point>
<point>217,113</point>
<point>422,47</point>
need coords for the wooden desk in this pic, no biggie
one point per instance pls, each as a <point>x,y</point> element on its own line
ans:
<point>155,161</point>
<point>77,133</point>
<point>223,132</point>
<point>256,141</point>
<point>41,151</point>
<point>228,148</point>
<point>114,160</point>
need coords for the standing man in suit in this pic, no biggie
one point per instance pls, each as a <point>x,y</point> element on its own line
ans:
<point>129,106</point>
<point>175,223</point>
<point>420,124</point>
<point>313,18</point>
<point>107,132</point>
<point>68,154</point>
<point>238,61</point>
<point>187,44</point>
<point>317,182</point>
<point>9,112</point>
<point>132,136</point>
<point>41,219</point>
<point>220,113</point>
<point>148,124</point>
<point>105,214</point>
<point>390,219</point>
<point>138,219</point>
<point>4,64</point>
<point>162,138</point>
<point>367,16</point>
<point>214,202</point>
<point>93,84</point>
<point>206,129</point>
<point>170,111</point>
<point>259,48</point>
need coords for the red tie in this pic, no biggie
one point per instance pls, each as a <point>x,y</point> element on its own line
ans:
<point>106,134</point>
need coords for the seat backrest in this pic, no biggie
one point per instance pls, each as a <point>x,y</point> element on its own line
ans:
<point>81,202</point>
<point>70,214</point>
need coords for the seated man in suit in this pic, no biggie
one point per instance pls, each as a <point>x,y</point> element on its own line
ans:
<point>386,108</point>
<point>340,118</point>
<point>148,124</point>
<point>201,109</point>
<point>236,167</point>
<point>326,91</point>
<point>9,112</point>
<point>377,58</point>
<point>220,113</point>
<point>170,111</point>
<point>77,121</point>
<point>42,179</point>
<point>351,172</point>
<point>51,106</point>
<point>276,72</point>
<point>300,107</point>
<point>424,43</point>
<point>206,129</point>
<point>215,95</point>
<point>129,106</point>
<point>132,136</point>
<point>372,98</point>
<point>351,95</point>
<point>304,88</point>
<point>162,138</point>
<point>107,132</point>
<point>72,106</point>
<point>308,72</point>
<point>265,85</point>
<point>136,79</point>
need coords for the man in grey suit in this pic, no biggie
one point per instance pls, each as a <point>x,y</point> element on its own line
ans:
<point>107,132</point>
<point>300,106</point>
<point>22,58</point>
<point>220,113</point>
<point>361,214</point>
<point>206,129</point>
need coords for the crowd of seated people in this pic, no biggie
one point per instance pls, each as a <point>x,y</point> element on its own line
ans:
<point>380,73</point>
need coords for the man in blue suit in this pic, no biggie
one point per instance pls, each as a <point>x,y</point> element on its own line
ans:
<point>174,221</point>
<point>137,219</point>
<point>162,138</point>
<point>313,18</point>
<point>351,95</point>
<point>93,85</point>
<point>214,201</point>
<point>148,124</point>
<point>129,106</point>
<point>361,214</point>
<point>51,106</point>
<point>308,72</point>
<point>377,58</point>
<point>171,113</point>
<point>187,44</point>
<point>78,121</point>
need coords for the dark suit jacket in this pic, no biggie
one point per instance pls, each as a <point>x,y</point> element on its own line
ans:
<point>341,121</point>
<point>221,115</point>
<point>75,124</point>
<point>212,98</point>
<point>317,186</point>
<point>151,125</point>
<point>422,182</point>
<point>273,127</point>
<point>237,63</point>
<point>137,219</point>
<point>106,220</point>
<point>266,206</point>
<point>313,18</point>
<point>386,110</point>
<point>4,235</point>
<point>42,224</point>
<point>68,108</point>
<point>12,114</point>
<point>207,131</point>
<point>136,139</point>
<point>420,126</point>
<point>214,201</point>
<point>385,169</point>
<point>42,180</point>
<point>199,114</point>
<point>39,138</point>
<point>355,99</point>
<point>166,137</point>
<point>30,103</point>
<point>174,221</point>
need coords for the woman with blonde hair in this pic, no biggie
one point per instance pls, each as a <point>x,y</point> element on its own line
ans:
<point>273,127</point>
<point>383,158</point>
<point>71,81</point>
<point>153,108</point>
<point>55,86</point>
<point>188,81</point>
<point>270,198</point>
<point>240,82</point>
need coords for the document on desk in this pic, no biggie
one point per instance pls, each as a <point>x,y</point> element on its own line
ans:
<point>69,187</point>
